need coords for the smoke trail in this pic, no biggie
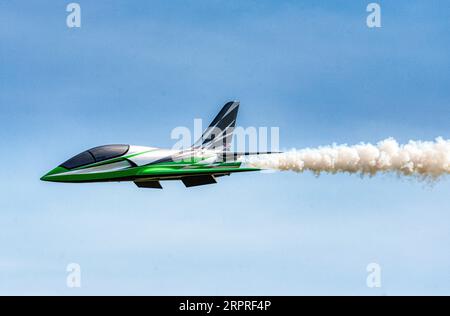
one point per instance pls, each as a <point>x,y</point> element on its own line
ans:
<point>428,160</point>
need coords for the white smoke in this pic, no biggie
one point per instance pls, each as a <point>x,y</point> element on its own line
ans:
<point>428,160</point>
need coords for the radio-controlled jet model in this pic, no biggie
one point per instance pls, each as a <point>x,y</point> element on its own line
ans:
<point>200,164</point>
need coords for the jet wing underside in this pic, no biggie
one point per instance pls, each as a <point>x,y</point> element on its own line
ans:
<point>188,181</point>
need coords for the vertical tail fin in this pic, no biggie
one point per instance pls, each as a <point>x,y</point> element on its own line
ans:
<point>219,133</point>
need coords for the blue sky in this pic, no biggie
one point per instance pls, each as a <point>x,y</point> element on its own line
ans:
<point>134,71</point>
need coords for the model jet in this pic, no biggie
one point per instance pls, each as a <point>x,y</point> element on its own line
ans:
<point>202,163</point>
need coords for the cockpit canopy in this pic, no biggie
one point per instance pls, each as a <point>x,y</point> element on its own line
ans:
<point>96,154</point>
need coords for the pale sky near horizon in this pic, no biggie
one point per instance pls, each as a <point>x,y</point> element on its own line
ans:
<point>136,70</point>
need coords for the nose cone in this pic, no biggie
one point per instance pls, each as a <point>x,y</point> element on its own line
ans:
<point>52,174</point>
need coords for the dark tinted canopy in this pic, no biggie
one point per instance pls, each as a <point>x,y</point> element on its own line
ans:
<point>84,158</point>
<point>96,154</point>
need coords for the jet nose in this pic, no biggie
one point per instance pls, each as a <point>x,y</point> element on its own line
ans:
<point>50,176</point>
<point>46,177</point>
